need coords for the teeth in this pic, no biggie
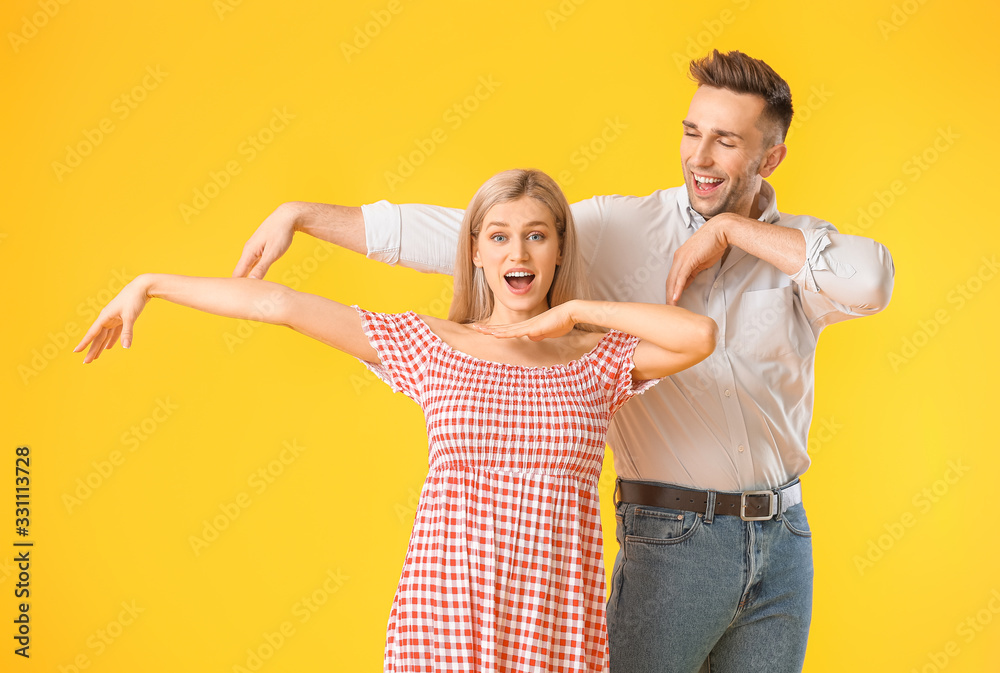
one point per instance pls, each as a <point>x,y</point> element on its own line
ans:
<point>518,274</point>
<point>698,178</point>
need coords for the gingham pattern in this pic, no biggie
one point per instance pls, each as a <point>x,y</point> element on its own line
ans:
<point>504,569</point>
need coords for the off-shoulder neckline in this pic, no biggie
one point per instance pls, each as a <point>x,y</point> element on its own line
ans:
<point>472,358</point>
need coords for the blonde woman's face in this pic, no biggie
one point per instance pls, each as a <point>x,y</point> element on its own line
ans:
<point>518,249</point>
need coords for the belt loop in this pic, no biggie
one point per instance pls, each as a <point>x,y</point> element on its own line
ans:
<point>781,511</point>
<point>710,507</point>
<point>614,494</point>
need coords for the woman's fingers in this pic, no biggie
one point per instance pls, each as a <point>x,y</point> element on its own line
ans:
<point>101,336</point>
<point>96,344</point>
<point>94,330</point>
<point>126,331</point>
<point>502,331</point>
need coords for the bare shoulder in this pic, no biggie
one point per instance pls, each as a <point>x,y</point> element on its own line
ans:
<point>587,341</point>
<point>442,326</point>
<point>519,351</point>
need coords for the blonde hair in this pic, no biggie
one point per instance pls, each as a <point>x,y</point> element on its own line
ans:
<point>473,300</point>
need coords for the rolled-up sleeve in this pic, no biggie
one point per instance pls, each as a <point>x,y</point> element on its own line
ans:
<point>416,236</point>
<point>844,276</point>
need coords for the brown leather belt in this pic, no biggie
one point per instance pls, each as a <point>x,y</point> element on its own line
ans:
<point>748,505</point>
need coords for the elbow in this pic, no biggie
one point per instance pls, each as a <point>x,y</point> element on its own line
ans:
<point>276,306</point>
<point>872,294</point>
<point>873,288</point>
<point>706,337</point>
<point>878,298</point>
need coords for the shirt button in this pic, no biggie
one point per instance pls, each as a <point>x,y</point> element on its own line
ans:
<point>741,448</point>
<point>715,284</point>
<point>727,392</point>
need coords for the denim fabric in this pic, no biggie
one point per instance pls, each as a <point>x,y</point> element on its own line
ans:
<point>688,587</point>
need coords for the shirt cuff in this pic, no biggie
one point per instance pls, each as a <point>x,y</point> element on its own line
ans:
<point>382,231</point>
<point>818,240</point>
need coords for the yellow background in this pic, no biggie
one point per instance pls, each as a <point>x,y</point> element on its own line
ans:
<point>903,447</point>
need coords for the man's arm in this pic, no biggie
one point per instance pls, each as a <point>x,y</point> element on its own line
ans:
<point>854,272</point>
<point>417,236</point>
<point>782,247</point>
<point>413,235</point>
<point>341,225</point>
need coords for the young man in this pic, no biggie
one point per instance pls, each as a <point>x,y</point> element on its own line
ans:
<point>715,558</point>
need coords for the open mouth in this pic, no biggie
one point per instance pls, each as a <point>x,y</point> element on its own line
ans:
<point>705,184</point>
<point>519,281</point>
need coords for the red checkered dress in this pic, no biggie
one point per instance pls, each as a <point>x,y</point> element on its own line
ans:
<point>504,569</point>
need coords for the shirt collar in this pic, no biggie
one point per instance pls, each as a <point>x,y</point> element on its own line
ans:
<point>768,204</point>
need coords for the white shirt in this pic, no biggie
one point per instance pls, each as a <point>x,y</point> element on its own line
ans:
<point>738,420</point>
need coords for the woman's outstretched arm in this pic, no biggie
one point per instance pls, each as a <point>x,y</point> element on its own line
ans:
<point>328,321</point>
<point>672,338</point>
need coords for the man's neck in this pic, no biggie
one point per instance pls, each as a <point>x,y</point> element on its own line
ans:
<point>757,205</point>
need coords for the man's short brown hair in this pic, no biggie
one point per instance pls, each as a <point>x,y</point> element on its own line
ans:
<point>740,73</point>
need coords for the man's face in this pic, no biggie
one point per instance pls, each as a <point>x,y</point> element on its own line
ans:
<point>722,151</point>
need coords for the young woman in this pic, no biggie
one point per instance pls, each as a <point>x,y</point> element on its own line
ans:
<point>504,569</point>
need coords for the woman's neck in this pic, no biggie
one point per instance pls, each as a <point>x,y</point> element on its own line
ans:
<point>503,315</point>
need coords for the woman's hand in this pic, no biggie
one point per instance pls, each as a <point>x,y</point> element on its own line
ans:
<point>116,320</point>
<point>555,322</point>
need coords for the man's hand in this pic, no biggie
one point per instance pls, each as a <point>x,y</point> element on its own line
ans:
<point>783,247</point>
<point>698,253</point>
<point>268,243</point>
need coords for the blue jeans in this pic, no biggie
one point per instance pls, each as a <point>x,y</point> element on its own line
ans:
<point>689,587</point>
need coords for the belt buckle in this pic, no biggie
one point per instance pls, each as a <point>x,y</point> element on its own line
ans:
<point>772,506</point>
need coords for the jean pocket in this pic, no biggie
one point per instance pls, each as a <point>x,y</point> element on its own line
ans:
<point>652,525</point>
<point>796,522</point>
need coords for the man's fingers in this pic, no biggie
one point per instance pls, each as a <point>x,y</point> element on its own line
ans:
<point>677,280</point>
<point>264,263</point>
<point>247,261</point>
